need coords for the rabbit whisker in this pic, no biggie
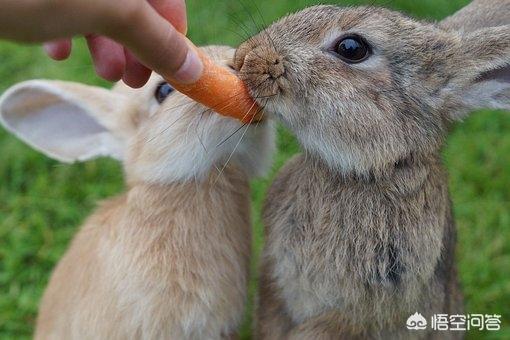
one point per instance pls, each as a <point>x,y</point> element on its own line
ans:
<point>243,37</point>
<point>265,25</point>
<point>244,28</point>
<point>239,128</point>
<point>181,117</point>
<point>247,125</point>
<point>203,130</point>
<point>229,136</point>
<point>165,129</point>
<point>257,28</point>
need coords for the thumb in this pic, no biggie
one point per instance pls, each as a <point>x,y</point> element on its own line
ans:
<point>158,45</point>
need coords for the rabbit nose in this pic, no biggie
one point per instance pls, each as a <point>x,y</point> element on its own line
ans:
<point>261,67</point>
<point>260,61</point>
<point>275,67</point>
<point>265,62</point>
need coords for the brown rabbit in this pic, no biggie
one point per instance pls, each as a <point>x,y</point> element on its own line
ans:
<point>168,259</point>
<point>359,228</point>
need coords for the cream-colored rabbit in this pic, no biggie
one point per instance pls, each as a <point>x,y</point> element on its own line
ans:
<point>168,259</point>
<point>359,229</point>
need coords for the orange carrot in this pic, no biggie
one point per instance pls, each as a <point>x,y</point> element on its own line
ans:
<point>222,91</point>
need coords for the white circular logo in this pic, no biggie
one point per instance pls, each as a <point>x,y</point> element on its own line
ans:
<point>416,322</point>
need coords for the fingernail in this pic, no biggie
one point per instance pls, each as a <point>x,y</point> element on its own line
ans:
<point>191,69</point>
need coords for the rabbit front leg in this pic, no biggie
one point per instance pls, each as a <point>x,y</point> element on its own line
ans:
<point>274,323</point>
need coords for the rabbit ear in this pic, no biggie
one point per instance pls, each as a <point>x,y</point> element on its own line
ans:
<point>66,121</point>
<point>482,78</point>
<point>491,90</point>
<point>479,14</point>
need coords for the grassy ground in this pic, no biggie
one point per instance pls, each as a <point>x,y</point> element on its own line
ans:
<point>42,202</point>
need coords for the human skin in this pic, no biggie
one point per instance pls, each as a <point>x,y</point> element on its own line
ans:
<point>126,41</point>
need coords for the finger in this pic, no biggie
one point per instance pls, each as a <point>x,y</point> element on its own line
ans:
<point>58,49</point>
<point>174,11</point>
<point>158,45</point>
<point>108,57</point>
<point>136,75</point>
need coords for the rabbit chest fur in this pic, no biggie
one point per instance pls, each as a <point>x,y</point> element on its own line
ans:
<point>156,262</point>
<point>372,249</point>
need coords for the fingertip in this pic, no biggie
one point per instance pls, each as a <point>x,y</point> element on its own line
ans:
<point>108,57</point>
<point>58,49</point>
<point>112,71</point>
<point>135,82</point>
<point>136,74</point>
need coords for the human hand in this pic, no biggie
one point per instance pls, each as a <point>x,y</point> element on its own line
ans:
<point>122,36</point>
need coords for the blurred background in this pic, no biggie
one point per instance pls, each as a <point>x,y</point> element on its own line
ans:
<point>43,202</point>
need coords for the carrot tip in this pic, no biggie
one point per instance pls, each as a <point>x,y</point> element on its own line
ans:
<point>222,91</point>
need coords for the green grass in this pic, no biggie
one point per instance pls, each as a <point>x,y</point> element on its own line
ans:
<point>42,202</point>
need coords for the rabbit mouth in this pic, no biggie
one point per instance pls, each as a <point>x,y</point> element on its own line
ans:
<point>264,81</point>
<point>265,89</point>
<point>259,115</point>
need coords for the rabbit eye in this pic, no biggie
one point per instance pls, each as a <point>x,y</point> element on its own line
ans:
<point>352,49</point>
<point>162,91</point>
